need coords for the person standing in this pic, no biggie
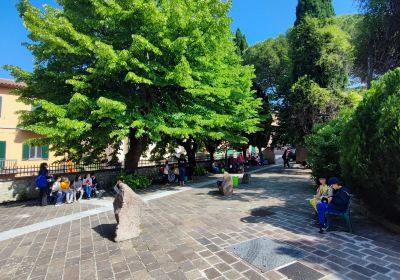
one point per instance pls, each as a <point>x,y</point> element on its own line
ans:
<point>182,164</point>
<point>42,182</point>
<point>285,158</point>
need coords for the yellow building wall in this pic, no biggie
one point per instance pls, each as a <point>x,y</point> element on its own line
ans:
<point>10,107</point>
<point>13,136</point>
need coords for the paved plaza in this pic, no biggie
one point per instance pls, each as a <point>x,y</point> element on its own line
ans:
<point>191,233</point>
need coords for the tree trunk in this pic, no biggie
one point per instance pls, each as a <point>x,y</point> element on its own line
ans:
<point>244,151</point>
<point>191,148</point>
<point>212,159</point>
<point>211,150</point>
<point>370,71</point>
<point>136,148</point>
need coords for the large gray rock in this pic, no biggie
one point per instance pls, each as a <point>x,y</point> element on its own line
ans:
<point>226,188</point>
<point>128,210</point>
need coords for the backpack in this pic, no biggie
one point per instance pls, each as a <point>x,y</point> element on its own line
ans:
<point>41,181</point>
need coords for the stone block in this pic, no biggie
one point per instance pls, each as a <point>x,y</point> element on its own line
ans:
<point>128,210</point>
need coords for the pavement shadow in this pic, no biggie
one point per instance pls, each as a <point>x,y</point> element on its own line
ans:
<point>106,231</point>
<point>217,195</point>
<point>26,203</point>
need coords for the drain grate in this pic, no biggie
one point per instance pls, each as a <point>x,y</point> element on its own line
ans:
<point>266,254</point>
<point>261,212</point>
<point>298,271</point>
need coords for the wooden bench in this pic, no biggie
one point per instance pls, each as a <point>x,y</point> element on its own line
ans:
<point>345,215</point>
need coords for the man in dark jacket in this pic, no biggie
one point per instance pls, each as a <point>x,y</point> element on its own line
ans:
<point>338,202</point>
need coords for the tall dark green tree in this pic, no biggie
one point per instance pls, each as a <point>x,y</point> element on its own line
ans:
<point>378,39</point>
<point>240,42</point>
<point>321,9</point>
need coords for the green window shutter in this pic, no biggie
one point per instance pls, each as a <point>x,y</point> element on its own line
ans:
<point>45,152</point>
<point>2,150</point>
<point>25,152</point>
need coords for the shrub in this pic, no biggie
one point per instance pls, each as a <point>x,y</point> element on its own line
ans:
<point>370,147</point>
<point>323,147</point>
<point>135,182</point>
<point>200,171</point>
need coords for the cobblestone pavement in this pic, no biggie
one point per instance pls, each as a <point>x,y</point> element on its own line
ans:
<point>15,215</point>
<point>185,236</point>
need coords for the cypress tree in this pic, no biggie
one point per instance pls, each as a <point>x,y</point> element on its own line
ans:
<point>320,9</point>
<point>240,42</point>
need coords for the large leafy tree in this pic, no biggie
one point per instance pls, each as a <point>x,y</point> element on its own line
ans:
<point>321,9</point>
<point>378,38</point>
<point>106,70</point>
<point>321,56</point>
<point>322,52</point>
<point>272,64</point>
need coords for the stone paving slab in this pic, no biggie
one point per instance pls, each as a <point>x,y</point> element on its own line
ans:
<point>16,215</point>
<point>185,236</point>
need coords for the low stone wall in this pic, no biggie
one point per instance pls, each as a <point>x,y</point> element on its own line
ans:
<point>14,189</point>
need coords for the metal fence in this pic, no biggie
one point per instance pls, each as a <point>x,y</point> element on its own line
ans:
<point>56,168</point>
<point>173,160</point>
<point>10,168</point>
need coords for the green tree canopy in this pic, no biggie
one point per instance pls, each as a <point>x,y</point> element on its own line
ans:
<point>321,60</point>
<point>378,38</point>
<point>105,70</point>
<point>320,9</point>
<point>322,52</point>
<point>272,63</point>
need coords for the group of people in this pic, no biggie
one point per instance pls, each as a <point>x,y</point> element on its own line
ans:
<point>331,197</point>
<point>233,165</point>
<point>176,172</point>
<point>256,160</point>
<point>60,189</point>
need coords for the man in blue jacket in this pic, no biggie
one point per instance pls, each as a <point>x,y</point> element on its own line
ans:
<point>338,202</point>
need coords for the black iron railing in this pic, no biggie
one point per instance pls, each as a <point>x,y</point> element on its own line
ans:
<point>9,167</point>
<point>56,168</point>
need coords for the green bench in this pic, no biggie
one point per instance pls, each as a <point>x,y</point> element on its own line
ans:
<point>346,216</point>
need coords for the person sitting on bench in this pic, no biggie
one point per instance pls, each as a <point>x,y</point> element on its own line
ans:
<point>338,202</point>
<point>323,191</point>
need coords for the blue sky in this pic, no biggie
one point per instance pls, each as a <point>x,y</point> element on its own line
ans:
<point>258,20</point>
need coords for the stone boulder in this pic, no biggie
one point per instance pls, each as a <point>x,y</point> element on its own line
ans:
<point>128,210</point>
<point>246,178</point>
<point>226,187</point>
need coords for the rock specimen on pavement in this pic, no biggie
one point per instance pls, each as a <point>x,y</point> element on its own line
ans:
<point>226,187</point>
<point>246,178</point>
<point>128,208</point>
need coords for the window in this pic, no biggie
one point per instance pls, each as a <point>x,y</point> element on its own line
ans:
<point>34,152</point>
